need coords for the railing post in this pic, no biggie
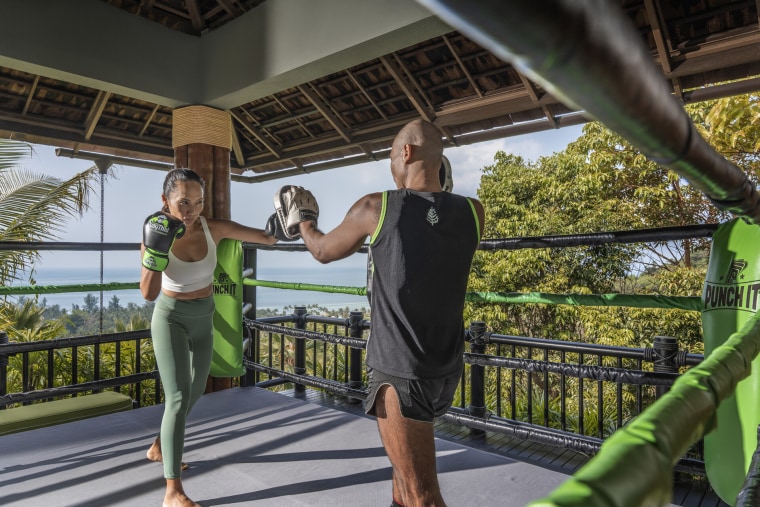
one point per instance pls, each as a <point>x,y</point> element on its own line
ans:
<point>250,264</point>
<point>665,359</point>
<point>249,379</point>
<point>355,320</point>
<point>477,407</point>
<point>300,366</point>
<point>249,291</point>
<point>3,367</point>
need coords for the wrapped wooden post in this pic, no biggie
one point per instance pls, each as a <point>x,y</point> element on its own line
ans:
<point>202,141</point>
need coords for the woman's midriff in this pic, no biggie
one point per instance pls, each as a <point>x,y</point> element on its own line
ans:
<point>196,294</point>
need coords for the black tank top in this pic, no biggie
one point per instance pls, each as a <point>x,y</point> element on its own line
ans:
<point>421,254</point>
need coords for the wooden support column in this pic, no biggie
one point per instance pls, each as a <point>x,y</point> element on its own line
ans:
<point>202,141</point>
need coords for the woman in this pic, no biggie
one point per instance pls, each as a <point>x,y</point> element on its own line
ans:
<point>179,258</point>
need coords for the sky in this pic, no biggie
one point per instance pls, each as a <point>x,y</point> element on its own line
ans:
<point>133,193</point>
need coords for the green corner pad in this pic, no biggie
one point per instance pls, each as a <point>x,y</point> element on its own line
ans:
<point>227,360</point>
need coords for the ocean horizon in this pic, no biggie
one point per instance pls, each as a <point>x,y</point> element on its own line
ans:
<point>266,298</point>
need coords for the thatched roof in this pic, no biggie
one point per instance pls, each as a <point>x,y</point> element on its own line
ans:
<point>88,76</point>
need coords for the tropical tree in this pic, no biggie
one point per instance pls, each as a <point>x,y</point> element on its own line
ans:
<point>34,207</point>
<point>25,323</point>
<point>601,183</point>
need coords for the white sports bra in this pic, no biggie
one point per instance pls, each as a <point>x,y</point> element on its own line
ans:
<point>184,276</point>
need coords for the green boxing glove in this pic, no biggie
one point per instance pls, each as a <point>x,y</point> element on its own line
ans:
<point>159,232</point>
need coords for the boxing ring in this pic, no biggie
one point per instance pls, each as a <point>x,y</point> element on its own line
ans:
<point>587,54</point>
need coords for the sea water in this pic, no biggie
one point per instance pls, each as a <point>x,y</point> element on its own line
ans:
<point>275,299</point>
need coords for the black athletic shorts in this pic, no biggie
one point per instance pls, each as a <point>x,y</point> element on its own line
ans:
<point>420,400</point>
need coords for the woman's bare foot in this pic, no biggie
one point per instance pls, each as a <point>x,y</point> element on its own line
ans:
<point>175,496</point>
<point>154,454</point>
<point>179,500</point>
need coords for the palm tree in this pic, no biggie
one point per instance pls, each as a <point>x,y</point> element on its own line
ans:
<point>34,207</point>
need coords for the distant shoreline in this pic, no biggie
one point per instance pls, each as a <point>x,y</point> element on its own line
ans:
<point>267,298</point>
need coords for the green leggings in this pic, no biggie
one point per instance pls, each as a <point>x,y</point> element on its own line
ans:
<point>183,341</point>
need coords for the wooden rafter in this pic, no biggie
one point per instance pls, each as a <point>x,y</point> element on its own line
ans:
<point>394,69</point>
<point>658,35</point>
<point>533,93</point>
<point>150,119</point>
<point>98,105</point>
<point>296,118</point>
<point>410,75</point>
<point>325,110</point>
<point>146,6</point>
<point>237,150</point>
<point>195,15</point>
<point>30,96</point>
<point>462,66</point>
<point>256,132</point>
<point>230,7</point>
<point>366,94</point>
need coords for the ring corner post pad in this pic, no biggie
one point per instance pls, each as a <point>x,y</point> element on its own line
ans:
<point>729,299</point>
<point>227,359</point>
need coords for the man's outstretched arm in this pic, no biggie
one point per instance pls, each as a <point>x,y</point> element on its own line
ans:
<point>360,222</point>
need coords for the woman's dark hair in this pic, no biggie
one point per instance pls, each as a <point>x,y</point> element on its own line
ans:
<point>176,175</point>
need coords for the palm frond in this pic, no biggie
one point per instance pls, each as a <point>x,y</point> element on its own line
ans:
<point>35,207</point>
<point>12,151</point>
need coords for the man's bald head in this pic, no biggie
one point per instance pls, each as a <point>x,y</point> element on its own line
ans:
<point>427,139</point>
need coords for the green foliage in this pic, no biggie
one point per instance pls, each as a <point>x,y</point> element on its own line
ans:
<point>34,207</point>
<point>732,126</point>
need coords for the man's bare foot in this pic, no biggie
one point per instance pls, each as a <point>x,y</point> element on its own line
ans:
<point>154,454</point>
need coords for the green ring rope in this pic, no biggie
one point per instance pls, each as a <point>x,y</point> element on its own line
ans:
<point>691,303</point>
<point>630,300</point>
<point>57,289</point>
<point>358,291</point>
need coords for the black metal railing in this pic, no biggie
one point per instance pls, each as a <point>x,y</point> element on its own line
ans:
<point>52,369</point>
<point>517,386</point>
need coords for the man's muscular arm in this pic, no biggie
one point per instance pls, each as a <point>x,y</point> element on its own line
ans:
<point>360,222</point>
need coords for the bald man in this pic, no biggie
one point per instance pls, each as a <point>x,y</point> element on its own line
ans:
<point>422,241</point>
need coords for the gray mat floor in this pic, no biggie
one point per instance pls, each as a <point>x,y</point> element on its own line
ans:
<point>246,446</point>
